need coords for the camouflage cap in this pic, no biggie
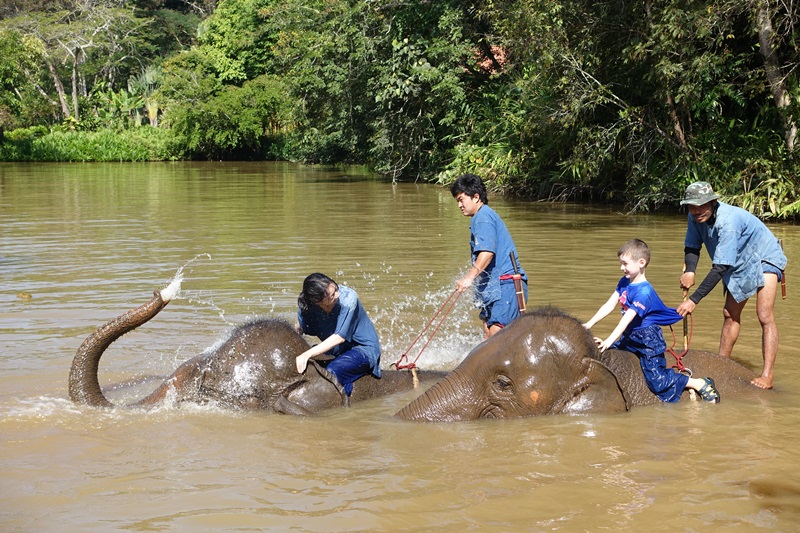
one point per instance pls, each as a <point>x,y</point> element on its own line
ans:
<point>699,193</point>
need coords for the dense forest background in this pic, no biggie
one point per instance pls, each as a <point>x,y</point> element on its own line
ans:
<point>600,100</point>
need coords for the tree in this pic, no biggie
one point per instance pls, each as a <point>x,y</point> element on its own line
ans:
<point>90,42</point>
<point>771,47</point>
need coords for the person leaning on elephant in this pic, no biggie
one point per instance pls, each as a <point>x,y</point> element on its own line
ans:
<point>335,315</point>
<point>492,248</point>
<point>639,329</point>
<point>748,259</point>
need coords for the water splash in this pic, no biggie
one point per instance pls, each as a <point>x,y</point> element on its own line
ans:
<point>174,287</point>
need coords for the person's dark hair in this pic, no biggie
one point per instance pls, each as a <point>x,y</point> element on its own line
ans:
<point>469,184</point>
<point>635,249</point>
<point>315,288</point>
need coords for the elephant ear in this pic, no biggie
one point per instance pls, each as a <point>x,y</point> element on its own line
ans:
<point>318,389</point>
<point>598,391</point>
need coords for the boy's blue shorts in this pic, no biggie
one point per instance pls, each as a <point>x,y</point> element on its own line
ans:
<point>506,309</point>
<point>648,345</point>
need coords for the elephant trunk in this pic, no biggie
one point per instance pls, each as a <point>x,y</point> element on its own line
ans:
<point>84,386</point>
<point>449,400</point>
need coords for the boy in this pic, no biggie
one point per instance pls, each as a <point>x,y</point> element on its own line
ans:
<point>639,329</point>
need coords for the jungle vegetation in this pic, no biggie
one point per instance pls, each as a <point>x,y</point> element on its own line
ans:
<point>598,100</point>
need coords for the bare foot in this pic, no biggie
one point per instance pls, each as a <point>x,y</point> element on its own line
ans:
<point>762,382</point>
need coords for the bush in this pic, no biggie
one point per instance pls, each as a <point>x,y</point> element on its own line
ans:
<point>138,144</point>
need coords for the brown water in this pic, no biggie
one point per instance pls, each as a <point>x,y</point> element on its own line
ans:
<point>89,242</point>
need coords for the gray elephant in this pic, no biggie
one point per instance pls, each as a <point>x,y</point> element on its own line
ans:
<point>252,369</point>
<point>546,362</point>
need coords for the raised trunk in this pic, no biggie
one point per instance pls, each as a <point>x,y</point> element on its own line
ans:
<point>84,386</point>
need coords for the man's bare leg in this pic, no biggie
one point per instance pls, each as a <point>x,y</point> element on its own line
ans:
<point>493,330</point>
<point>732,321</point>
<point>765,307</point>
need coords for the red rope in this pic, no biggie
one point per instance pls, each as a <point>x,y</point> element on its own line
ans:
<point>679,357</point>
<point>404,357</point>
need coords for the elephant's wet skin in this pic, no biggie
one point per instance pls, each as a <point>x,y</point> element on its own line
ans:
<point>254,369</point>
<point>546,362</point>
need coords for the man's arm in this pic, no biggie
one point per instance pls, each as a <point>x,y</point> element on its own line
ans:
<point>480,264</point>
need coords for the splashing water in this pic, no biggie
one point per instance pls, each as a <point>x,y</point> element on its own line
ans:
<point>174,287</point>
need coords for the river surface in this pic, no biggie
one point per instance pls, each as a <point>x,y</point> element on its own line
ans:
<point>90,241</point>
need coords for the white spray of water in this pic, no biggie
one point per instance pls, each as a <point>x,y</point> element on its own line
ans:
<point>174,288</point>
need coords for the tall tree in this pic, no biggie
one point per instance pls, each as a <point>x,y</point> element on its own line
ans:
<point>771,46</point>
<point>85,42</point>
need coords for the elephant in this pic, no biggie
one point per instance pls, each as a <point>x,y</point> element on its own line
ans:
<point>546,362</point>
<point>253,369</point>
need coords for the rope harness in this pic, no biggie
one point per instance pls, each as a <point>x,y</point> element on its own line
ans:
<point>403,362</point>
<point>687,337</point>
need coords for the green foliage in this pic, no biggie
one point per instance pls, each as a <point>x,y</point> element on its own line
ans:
<point>558,99</point>
<point>141,144</point>
<point>241,121</point>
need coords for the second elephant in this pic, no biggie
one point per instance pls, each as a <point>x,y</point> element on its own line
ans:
<point>546,362</point>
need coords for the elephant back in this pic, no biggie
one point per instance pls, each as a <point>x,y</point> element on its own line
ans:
<point>732,379</point>
<point>625,366</point>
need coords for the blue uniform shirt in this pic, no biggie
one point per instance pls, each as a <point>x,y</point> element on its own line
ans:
<point>349,320</point>
<point>488,233</point>
<point>650,310</point>
<point>740,240</point>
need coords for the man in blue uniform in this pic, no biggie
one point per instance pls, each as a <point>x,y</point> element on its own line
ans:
<point>748,259</point>
<point>492,271</point>
<point>335,315</point>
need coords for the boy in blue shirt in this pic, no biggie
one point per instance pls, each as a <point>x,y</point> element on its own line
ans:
<point>639,329</point>
<point>492,271</point>
<point>335,315</point>
<point>748,259</point>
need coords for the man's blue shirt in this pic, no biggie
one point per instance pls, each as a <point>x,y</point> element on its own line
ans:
<point>490,234</point>
<point>349,320</point>
<point>741,241</point>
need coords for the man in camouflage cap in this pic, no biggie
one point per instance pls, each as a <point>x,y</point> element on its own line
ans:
<point>748,259</point>
<point>699,193</point>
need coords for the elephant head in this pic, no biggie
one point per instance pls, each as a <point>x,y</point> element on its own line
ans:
<point>545,362</point>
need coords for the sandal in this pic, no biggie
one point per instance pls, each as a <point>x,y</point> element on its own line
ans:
<point>708,392</point>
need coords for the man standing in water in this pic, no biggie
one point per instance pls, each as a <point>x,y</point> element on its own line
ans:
<point>748,259</point>
<point>492,271</point>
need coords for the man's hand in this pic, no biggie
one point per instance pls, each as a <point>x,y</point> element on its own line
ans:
<point>464,283</point>
<point>687,280</point>
<point>302,362</point>
<point>686,308</point>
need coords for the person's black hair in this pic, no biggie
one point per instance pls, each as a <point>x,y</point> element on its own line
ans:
<point>315,289</point>
<point>469,184</point>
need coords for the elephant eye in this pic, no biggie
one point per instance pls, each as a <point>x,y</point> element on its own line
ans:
<point>503,383</point>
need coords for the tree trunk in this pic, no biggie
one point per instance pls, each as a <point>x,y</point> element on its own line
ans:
<point>772,68</point>
<point>62,95</point>
<point>75,83</point>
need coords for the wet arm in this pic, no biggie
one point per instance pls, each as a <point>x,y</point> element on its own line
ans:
<point>480,264</point>
<point>324,347</point>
